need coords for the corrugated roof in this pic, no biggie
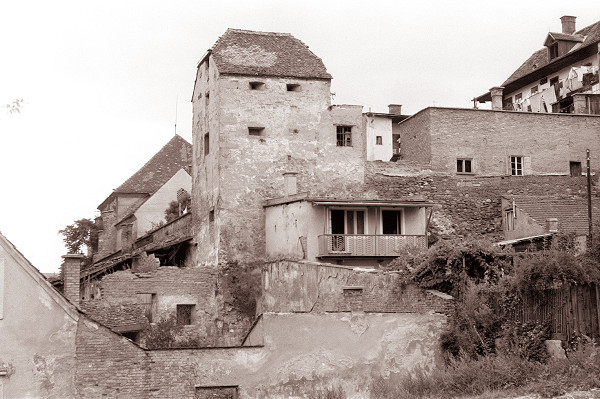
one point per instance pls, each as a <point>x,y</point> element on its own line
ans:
<point>244,52</point>
<point>590,35</point>
<point>571,212</point>
<point>176,154</point>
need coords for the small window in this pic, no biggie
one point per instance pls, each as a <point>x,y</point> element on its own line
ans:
<point>534,90</point>
<point>516,166</point>
<point>211,216</point>
<point>257,86</point>
<point>223,392</point>
<point>206,144</point>
<point>543,81</point>
<point>207,95</point>
<point>575,168</point>
<point>509,220</point>
<point>464,166</point>
<point>344,136</point>
<point>256,131</point>
<point>378,140</point>
<point>132,335</point>
<point>293,87</point>
<point>553,80</point>
<point>184,314</point>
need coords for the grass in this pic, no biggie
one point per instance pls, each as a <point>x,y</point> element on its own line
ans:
<point>497,376</point>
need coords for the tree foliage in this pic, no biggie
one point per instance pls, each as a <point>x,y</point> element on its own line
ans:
<point>176,208</point>
<point>81,232</point>
<point>15,106</point>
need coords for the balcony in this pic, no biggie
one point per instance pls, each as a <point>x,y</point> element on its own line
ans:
<point>367,244</point>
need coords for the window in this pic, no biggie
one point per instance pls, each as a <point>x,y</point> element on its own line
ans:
<point>507,103</point>
<point>257,86</point>
<point>464,166</point>
<point>206,144</point>
<point>148,301</point>
<point>344,136</point>
<point>293,87</point>
<point>391,221</point>
<point>132,335</point>
<point>223,392</point>
<point>184,314</point>
<point>345,222</point>
<point>553,80</point>
<point>256,131</point>
<point>516,166</point>
<point>553,50</point>
<point>378,140</point>
<point>575,168</point>
<point>543,81</point>
<point>534,90</point>
<point>509,220</point>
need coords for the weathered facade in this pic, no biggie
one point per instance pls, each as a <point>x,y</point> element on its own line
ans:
<point>138,205</point>
<point>37,329</point>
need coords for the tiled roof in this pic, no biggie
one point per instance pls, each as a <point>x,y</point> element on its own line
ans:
<point>571,213</point>
<point>250,53</point>
<point>567,37</point>
<point>590,35</point>
<point>176,154</point>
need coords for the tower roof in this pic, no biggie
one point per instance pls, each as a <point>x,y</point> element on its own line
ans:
<point>251,53</point>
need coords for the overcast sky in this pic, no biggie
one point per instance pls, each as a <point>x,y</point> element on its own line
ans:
<point>101,81</point>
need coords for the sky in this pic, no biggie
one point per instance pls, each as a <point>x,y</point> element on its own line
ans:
<point>104,83</point>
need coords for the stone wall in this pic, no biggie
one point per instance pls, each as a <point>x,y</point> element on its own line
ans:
<point>297,286</point>
<point>468,205</point>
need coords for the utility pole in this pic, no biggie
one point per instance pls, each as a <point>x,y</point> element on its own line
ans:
<point>589,195</point>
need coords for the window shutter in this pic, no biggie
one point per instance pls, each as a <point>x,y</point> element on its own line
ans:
<point>508,170</point>
<point>527,165</point>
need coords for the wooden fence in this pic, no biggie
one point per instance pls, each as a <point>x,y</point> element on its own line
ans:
<point>569,310</point>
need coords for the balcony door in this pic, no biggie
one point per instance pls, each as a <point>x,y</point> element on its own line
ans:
<point>343,222</point>
<point>391,222</point>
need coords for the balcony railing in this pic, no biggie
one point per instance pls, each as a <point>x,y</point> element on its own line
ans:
<point>367,244</point>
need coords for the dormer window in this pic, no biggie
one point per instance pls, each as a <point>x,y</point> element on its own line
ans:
<point>553,50</point>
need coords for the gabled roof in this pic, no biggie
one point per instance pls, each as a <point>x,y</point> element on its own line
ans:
<point>250,53</point>
<point>587,36</point>
<point>36,276</point>
<point>571,213</point>
<point>175,155</point>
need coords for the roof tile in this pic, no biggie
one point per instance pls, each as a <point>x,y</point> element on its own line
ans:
<point>243,52</point>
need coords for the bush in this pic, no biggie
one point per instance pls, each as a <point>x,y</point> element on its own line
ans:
<point>166,333</point>
<point>526,340</point>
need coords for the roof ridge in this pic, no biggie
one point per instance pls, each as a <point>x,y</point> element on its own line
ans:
<point>258,32</point>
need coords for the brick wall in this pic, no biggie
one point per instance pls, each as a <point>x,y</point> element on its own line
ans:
<point>109,365</point>
<point>292,286</point>
<point>489,138</point>
<point>214,322</point>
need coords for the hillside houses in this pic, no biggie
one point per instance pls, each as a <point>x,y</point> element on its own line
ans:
<point>304,201</point>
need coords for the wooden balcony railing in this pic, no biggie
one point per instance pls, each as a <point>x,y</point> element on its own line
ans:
<point>367,244</point>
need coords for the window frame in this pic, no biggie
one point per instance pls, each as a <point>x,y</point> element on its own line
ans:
<point>517,160</point>
<point>355,224</point>
<point>378,140</point>
<point>463,163</point>
<point>343,137</point>
<point>509,219</point>
<point>402,226</point>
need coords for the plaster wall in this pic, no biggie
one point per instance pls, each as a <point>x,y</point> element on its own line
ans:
<point>37,333</point>
<point>524,225</point>
<point>304,354</point>
<point>153,210</point>
<point>297,133</point>
<point>378,126</point>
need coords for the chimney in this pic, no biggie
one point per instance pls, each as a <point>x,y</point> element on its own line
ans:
<point>552,225</point>
<point>496,93</point>
<point>395,109</point>
<point>291,183</point>
<point>568,24</point>
<point>70,271</point>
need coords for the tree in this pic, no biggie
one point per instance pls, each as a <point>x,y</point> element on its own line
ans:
<point>81,232</point>
<point>177,208</point>
<point>14,107</point>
